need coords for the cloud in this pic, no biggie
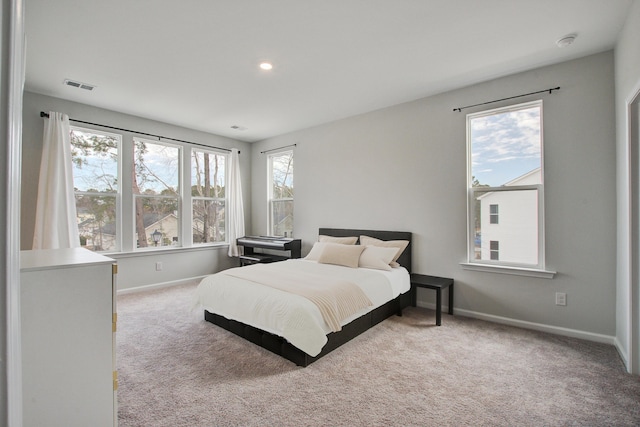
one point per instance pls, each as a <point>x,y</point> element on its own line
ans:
<point>506,136</point>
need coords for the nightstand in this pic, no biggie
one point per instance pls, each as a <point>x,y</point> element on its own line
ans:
<point>436,283</point>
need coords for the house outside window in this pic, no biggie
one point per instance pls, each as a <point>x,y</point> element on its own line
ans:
<point>506,192</point>
<point>208,196</point>
<point>156,193</point>
<point>95,162</point>
<point>280,193</point>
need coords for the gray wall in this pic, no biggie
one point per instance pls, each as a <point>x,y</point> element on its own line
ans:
<point>136,268</point>
<point>403,168</point>
<point>627,78</point>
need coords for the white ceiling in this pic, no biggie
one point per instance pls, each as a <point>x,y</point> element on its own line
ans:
<point>194,63</point>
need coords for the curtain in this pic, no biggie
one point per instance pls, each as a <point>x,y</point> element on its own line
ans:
<point>56,225</point>
<point>235,210</point>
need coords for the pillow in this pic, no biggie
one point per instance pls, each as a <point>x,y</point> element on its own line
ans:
<point>315,251</point>
<point>401,245</point>
<point>338,254</point>
<point>377,257</point>
<point>342,240</point>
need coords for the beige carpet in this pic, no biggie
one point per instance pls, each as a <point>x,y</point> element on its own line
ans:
<point>175,369</point>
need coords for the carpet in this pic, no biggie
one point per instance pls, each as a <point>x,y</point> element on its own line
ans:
<point>175,369</point>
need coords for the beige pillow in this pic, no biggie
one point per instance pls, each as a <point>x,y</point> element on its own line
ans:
<point>338,254</point>
<point>342,240</point>
<point>401,245</point>
<point>315,251</point>
<point>377,257</point>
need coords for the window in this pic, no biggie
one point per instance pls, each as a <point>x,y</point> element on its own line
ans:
<point>280,166</point>
<point>133,193</point>
<point>505,171</point>
<point>494,248</point>
<point>156,193</point>
<point>493,214</point>
<point>208,185</point>
<point>95,159</point>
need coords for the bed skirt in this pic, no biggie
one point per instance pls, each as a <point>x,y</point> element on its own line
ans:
<point>281,347</point>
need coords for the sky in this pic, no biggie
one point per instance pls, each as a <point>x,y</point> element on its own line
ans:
<point>105,166</point>
<point>505,145</point>
<point>162,168</point>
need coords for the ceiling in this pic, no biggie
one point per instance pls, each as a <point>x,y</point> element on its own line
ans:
<point>194,63</point>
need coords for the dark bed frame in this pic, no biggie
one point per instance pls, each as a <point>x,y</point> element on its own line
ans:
<point>282,347</point>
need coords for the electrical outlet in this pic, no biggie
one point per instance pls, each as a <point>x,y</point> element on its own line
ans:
<point>158,266</point>
<point>561,298</point>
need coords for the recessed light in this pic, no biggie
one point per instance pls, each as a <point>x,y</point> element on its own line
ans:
<point>266,66</point>
<point>566,40</point>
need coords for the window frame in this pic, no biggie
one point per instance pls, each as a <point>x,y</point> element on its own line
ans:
<point>538,269</point>
<point>117,195</point>
<point>225,199</point>
<point>179,198</point>
<point>125,201</point>
<point>270,198</point>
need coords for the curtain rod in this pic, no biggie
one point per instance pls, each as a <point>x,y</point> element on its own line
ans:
<point>43,114</point>
<point>504,99</point>
<point>279,148</point>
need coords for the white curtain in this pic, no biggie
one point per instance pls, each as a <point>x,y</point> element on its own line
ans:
<point>56,225</point>
<point>235,210</point>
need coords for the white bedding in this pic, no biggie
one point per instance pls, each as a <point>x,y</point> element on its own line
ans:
<point>291,316</point>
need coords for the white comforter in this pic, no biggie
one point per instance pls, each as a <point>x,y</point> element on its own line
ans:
<point>291,316</point>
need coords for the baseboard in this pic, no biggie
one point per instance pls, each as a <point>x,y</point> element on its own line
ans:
<point>622,353</point>
<point>574,333</point>
<point>157,285</point>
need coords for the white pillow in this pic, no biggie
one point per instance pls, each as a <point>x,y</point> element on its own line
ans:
<point>400,245</point>
<point>377,257</point>
<point>343,240</point>
<point>338,254</point>
<point>315,252</point>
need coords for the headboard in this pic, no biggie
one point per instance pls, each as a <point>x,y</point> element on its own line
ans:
<point>404,259</point>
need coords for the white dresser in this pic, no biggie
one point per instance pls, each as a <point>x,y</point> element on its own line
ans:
<point>68,338</point>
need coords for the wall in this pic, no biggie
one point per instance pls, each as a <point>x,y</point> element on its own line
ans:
<point>403,168</point>
<point>135,269</point>
<point>627,80</point>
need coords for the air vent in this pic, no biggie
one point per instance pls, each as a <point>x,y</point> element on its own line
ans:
<point>79,85</point>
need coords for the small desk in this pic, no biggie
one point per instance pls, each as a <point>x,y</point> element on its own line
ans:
<point>433,282</point>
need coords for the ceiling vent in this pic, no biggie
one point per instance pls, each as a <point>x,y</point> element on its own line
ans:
<point>79,85</point>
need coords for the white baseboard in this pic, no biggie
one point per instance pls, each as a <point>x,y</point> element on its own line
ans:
<point>574,333</point>
<point>622,352</point>
<point>157,285</point>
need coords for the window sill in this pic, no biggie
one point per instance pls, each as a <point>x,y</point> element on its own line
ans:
<point>164,250</point>
<point>501,269</point>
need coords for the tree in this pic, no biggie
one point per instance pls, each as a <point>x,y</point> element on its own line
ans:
<point>155,185</point>
<point>139,149</point>
<point>282,193</point>
<point>95,159</point>
<point>475,183</point>
<point>206,212</point>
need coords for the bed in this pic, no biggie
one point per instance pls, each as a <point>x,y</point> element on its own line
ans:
<point>234,301</point>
